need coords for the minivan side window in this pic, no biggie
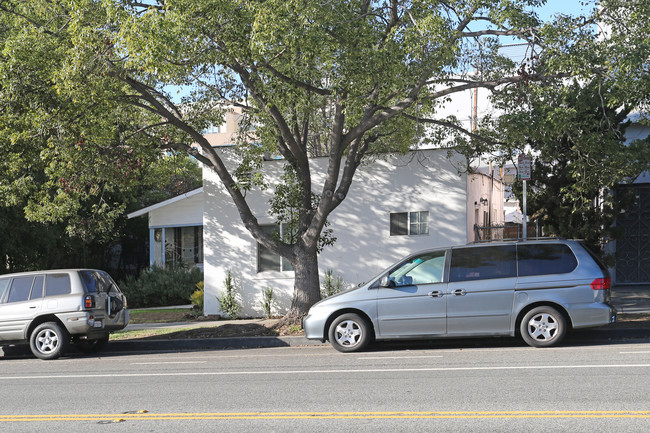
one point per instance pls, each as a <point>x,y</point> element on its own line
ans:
<point>481,263</point>
<point>545,259</point>
<point>424,269</point>
<point>57,284</point>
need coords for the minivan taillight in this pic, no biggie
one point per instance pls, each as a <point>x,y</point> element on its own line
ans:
<point>89,302</point>
<point>601,284</point>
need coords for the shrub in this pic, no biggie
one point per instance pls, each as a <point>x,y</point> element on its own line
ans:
<point>267,301</point>
<point>197,297</point>
<point>228,300</point>
<point>159,287</point>
<point>332,284</point>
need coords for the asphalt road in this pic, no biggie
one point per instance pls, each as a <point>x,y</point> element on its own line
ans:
<point>493,386</point>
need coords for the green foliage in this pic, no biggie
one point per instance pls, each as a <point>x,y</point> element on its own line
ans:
<point>160,287</point>
<point>85,107</point>
<point>197,297</point>
<point>580,155</point>
<point>267,302</point>
<point>228,302</point>
<point>332,284</point>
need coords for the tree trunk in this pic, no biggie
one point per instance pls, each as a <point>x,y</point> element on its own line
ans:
<point>306,291</point>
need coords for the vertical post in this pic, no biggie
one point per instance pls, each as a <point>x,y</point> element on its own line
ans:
<point>525,169</point>
<point>525,234</point>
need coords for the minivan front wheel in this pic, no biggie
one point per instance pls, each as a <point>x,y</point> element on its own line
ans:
<point>543,327</point>
<point>49,341</point>
<point>349,333</point>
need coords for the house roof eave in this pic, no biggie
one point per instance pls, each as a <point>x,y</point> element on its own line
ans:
<point>153,207</point>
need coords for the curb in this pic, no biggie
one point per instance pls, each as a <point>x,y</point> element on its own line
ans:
<point>209,344</point>
<point>591,335</point>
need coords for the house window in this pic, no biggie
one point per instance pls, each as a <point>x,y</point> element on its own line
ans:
<point>178,246</point>
<point>409,223</point>
<point>267,260</point>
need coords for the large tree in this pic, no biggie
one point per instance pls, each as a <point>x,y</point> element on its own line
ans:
<point>580,155</point>
<point>340,78</point>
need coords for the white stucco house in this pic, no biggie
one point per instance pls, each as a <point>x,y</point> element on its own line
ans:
<point>397,204</point>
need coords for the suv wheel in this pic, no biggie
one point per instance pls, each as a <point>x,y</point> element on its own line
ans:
<point>543,327</point>
<point>49,341</point>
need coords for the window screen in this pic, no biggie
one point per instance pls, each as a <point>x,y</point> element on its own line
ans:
<point>409,223</point>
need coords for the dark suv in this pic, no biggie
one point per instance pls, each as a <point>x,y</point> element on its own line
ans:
<point>51,309</point>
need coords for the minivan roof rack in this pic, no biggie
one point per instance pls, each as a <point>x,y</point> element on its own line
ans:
<point>534,238</point>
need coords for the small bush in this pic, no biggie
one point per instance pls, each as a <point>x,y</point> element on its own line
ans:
<point>228,300</point>
<point>158,287</point>
<point>332,284</point>
<point>197,297</point>
<point>267,302</point>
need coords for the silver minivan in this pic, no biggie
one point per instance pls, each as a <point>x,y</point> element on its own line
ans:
<point>536,289</point>
<point>51,309</point>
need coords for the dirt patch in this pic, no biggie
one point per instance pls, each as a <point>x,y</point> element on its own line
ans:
<point>163,315</point>
<point>220,331</point>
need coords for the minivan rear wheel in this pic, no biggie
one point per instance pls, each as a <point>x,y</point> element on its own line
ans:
<point>543,327</point>
<point>49,340</point>
<point>349,333</point>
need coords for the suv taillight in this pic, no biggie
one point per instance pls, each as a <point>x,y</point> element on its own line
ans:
<point>89,302</point>
<point>601,284</point>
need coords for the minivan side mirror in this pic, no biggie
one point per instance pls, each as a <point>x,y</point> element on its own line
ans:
<point>387,282</point>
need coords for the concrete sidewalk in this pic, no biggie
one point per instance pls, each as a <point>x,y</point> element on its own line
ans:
<point>630,299</point>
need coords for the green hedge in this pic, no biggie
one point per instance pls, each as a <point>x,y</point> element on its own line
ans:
<point>160,287</point>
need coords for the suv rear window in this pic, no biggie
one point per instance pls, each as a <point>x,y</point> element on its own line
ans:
<point>481,263</point>
<point>96,281</point>
<point>545,259</point>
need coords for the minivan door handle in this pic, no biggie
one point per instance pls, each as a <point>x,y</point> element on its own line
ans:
<point>435,294</point>
<point>459,292</point>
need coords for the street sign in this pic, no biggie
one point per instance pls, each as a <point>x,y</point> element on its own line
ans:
<point>524,167</point>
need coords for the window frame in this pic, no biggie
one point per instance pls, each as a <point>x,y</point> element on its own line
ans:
<point>284,265</point>
<point>397,223</point>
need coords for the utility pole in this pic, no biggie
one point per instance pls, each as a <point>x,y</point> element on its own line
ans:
<point>524,176</point>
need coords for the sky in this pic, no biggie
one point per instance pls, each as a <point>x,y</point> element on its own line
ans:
<point>569,7</point>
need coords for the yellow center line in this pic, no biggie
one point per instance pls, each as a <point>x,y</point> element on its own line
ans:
<point>324,415</point>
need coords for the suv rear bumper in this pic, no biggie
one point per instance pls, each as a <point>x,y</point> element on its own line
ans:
<point>88,322</point>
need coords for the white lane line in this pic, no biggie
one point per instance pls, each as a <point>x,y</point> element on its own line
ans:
<point>633,353</point>
<point>398,357</point>
<point>312,372</point>
<point>168,362</point>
